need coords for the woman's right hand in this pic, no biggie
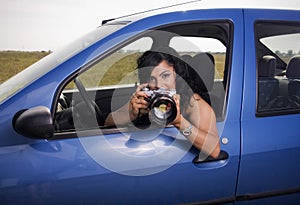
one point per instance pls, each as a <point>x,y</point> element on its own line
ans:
<point>138,105</point>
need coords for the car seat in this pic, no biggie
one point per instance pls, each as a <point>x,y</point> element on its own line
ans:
<point>293,75</point>
<point>268,85</point>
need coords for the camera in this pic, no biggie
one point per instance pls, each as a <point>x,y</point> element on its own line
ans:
<point>161,105</point>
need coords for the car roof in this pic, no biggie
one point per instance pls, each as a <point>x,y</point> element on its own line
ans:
<point>209,4</point>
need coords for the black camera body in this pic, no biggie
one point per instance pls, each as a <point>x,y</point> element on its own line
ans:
<point>162,106</point>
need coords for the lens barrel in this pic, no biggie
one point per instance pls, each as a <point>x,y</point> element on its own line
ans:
<point>163,109</point>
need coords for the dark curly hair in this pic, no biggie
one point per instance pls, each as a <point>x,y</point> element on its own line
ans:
<point>188,80</point>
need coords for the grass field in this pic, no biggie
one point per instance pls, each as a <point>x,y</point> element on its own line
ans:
<point>12,62</point>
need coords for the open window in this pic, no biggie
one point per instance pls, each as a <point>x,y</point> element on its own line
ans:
<point>108,83</point>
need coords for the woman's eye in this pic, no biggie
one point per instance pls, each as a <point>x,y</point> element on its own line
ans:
<point>151,79</point>
<point>165,75</point>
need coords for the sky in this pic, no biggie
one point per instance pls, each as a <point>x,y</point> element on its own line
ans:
<point>35,25</point>
<point>50,24</point>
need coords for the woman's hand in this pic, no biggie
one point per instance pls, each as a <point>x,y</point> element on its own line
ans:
<point>138,105</point>
<point>177,121</point>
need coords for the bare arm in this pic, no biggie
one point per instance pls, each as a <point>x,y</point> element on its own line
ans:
<point>130,111</point>
<point>204,133</point>
<point>119,117</point>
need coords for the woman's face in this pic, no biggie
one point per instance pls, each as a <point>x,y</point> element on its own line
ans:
<point>163,76</point>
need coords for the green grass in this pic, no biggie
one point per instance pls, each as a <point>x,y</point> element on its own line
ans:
<point>12,62</point>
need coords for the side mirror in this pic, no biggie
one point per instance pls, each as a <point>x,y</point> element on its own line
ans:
<point>34,123</point>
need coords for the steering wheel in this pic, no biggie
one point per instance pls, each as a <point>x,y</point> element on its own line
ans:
<point>92,106</point>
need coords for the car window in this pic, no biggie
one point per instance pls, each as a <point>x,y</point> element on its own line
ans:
<point>194,45</point>
<point>278,62</point>
<point>117,69</point>
<point>110,81</point>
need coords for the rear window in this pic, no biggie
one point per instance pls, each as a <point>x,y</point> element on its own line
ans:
<point>278,63</point>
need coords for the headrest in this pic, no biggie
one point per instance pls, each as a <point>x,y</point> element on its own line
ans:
<point>293,67</point>
<point>204,66</point>
<point>186,58</point>
<point>267,66</point>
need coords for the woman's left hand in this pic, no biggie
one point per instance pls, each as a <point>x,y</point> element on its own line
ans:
<point>177,121</point>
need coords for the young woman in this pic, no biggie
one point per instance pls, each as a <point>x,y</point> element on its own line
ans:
<point>195,118</point>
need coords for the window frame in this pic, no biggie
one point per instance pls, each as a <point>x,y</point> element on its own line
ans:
<point>228,56</point>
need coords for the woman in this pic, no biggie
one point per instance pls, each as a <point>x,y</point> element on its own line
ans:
<point>195,118</point>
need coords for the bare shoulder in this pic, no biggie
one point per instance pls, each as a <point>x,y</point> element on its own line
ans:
<point>197,103</point>
<point>196,100</point>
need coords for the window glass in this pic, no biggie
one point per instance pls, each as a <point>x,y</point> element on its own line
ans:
<point>278,62</point>
<point>119,68</point>
<point>284,46</point>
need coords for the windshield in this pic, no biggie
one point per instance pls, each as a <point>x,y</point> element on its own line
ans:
<point>40,68</point>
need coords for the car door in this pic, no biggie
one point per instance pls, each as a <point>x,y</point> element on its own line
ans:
<point>270,115</point>
<point>131,166</point>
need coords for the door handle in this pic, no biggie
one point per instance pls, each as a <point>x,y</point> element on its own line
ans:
<point>201,159</point>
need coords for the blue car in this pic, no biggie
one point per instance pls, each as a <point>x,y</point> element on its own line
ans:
<point>56,149</point>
